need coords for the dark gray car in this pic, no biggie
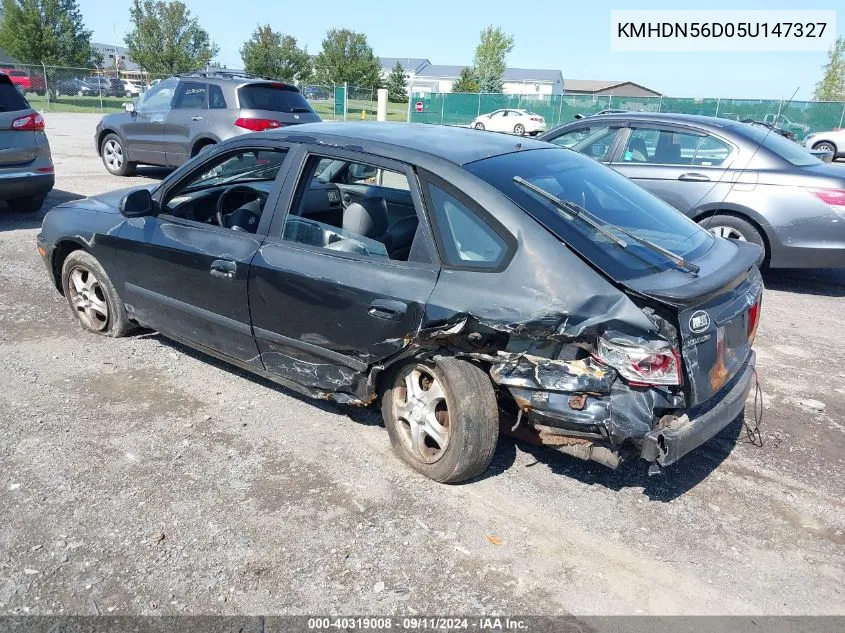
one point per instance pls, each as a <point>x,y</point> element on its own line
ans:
<point>26,166</point>
<point>741,181</point>
<point>177,118</point>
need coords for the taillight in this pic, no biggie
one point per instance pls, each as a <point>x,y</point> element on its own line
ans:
<point>655,364</point>
<point>832,197</point>
<point>257,125</point>
<point>753,320</point>
<point>29,123</point>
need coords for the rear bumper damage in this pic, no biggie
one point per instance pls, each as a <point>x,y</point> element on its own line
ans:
<point>583,408</point>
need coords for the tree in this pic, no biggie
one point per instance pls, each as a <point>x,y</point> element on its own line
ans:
<point>396,85</point>
<point>466,82</point>
<point>490,55</point>
<point>166,39</point>
<point>347,57</point>
<point>832,84</point>
<point>275,55</point>
<point>48,31</point>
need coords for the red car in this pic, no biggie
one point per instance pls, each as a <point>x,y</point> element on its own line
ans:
<point>26,83</point>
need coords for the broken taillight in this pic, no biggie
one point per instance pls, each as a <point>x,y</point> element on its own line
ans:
<point>753,320</point>
<point>654,364</point>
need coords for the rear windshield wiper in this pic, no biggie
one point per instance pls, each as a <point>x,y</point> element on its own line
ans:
<point>577,211</point>
<point>300,109</point>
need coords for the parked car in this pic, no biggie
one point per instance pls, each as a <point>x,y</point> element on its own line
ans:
<point>600,112</point>
<point>132,89</point>
<point>830,141</point>
<point>179,117</point>
<point>305,256</point>
<point>771,126</point>
<point>741,181</point>
<point>26,165</point>
<point>510,120</point>
<point>783,122</point>
<point>107,86</point>
<point>74,86</point>
<point>25,82</point>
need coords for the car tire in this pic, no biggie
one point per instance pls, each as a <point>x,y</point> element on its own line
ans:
<point>26,205</point>
<point>519,129</point>
<point>92,296</point>
<point>734,228</point>
<point>826,146</point>
<point>114,158</point>
<point>453,400</point>
<point>207,145</point>
<point>479,126</point>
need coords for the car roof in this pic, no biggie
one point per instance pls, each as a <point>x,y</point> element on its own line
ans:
<point>459,145</point>
<point>665,117</point>
<point>237,78</point>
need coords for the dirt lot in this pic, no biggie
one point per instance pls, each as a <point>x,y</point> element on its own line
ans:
<point>272,503</point>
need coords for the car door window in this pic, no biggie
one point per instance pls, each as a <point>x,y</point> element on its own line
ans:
<point>216,100</point>
<point>661,147</point>
<point>594,141</point>
<point>466,239</point>
<point>711,152</point>
<point>190,96</point>
<point>198,197</point>
<point>158,97</point>
<point>381,224</point>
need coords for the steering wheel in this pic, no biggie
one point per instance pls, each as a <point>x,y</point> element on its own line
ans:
<point>221,206</point>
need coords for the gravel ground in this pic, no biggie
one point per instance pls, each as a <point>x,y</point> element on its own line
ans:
<point>139,477</point>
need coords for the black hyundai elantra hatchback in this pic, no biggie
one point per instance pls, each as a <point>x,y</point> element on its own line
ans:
<point>448,275</point>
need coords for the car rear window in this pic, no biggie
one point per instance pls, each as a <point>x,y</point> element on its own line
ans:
<point>10,99</point>
<point>605,194</point>
<point>274,98</point>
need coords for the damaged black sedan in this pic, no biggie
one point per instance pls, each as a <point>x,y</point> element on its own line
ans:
<point>458,279</point>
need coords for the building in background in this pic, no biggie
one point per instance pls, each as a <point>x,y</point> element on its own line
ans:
<point>521,81</point>
<point>598,88</point>
<point>411,66</point>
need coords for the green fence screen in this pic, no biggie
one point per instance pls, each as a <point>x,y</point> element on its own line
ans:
<point>798,117</point>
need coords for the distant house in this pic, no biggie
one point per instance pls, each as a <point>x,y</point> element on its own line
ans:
<point>599,88</point>
<point>522,81</point>
<point>411,66</point>
<point>110,51</point>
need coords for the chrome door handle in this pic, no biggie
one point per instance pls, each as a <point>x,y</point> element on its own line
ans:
<point>223,268</point>
<point>196,118</point>
<point>693,177</point>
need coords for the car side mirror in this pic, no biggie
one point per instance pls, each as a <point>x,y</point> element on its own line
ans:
<point>129,107</point>
<point>137,204</point>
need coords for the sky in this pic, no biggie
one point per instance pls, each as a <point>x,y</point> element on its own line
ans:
<point>573,37</point>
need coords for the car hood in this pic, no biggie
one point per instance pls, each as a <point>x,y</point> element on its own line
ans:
<point>115,120</point>
<point>104,202</point>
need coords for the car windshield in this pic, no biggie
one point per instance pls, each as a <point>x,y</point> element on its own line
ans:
<point>777,144</point>
<point>609,197</point>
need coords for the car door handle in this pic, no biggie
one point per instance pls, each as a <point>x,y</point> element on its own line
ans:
<point>223,268</point>
<point>388,309</point>
<point>196,118</point>
<point>693,177</point>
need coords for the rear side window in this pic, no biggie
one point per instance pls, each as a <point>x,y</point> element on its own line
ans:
<point>466,239</point>
<point>216,100</point>
<point>10,99</point>
<point>273,98</point>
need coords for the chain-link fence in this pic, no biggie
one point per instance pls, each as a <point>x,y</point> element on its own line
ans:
<point>798,117</point>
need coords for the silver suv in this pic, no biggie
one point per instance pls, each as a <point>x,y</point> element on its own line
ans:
<point>26,166</point>
<point>178,117</point>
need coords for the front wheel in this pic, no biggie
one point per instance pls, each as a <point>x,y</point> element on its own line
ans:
<point>114,157</point>
<point>479,126</point>
<point>734,228</point>
<point>92,296</point>
<point>442,419</point>
<point>519,129</point>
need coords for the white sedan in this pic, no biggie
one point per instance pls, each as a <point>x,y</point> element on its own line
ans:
<point>832,141</point>
<point>132,89</point>
<point>514,121</point>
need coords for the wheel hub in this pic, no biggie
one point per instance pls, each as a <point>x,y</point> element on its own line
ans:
<point>422,414</point>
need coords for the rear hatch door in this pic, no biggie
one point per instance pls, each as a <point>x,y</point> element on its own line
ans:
<point>16,147</point>
<point>275,101</point>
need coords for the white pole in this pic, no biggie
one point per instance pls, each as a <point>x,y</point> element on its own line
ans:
<point>381,109</point>
<point>410,96</point>
<point>46,85</point>
<point>842,118</point>
<point>345,98</point>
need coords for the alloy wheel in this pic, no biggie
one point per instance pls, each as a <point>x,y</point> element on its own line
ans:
<point>728,232</point>
<point>519,129</point>
<point>113,154</point>
<point>89,298</point>
<point>824,147</point>
<point>422,414</point>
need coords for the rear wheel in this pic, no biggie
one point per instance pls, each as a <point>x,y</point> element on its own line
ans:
<point>442,419</point>
<point>734,228</point>
<point>114,157</point>
<point>92,296</point>
<point>479,126</point>
<point>26,205</point>
<point>519,129</point>
<point>825,146</point>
